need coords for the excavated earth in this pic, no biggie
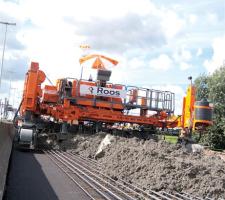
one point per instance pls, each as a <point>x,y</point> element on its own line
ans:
<point>156,165</point>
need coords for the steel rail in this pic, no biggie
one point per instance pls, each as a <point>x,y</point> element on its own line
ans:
<point>181,196</point>
<point>94,175</point>
<point>122,182</point>
<point>131,185</point>
<point>85,159</point>
<point>177,196</point>
<point>86,165</point>
<point>77,170</point>
<point>89,171</point>
<point>81,177</point>
<point>157,194</point>
<point>190,196</point>
<point>73,180</point>
<point>170,195</point>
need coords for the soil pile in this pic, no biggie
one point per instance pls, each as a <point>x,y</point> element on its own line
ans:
<point>158,165</point>
<point>85,144</point>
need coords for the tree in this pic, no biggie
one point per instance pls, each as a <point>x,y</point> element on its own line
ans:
<point>212,87</point>
<point>216,83</point>
<point>201,83</point>
<point>216,134</point>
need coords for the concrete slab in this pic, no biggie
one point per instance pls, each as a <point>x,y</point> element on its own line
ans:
<point>6,136</point>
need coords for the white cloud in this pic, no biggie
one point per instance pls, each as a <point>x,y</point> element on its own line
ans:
<point>192,19</point>
<point>218,57</point>
<point>53,42</point>
<point>182,58</point>
<point>83,10</point>
<point>163,62</point>
<point>153,29</point>
<point>212,18</point>
<point>199,52</point>
<point>185,55</point>
<point>185,66</point>
<point>136,63</point>
<point>172,23</point>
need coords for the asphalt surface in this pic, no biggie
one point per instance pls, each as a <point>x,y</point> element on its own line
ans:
<point>34,176</point>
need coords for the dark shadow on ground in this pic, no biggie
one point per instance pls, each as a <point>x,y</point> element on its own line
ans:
<point>26,179</point>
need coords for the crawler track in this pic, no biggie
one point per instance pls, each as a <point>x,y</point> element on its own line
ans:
<point>86,173</point>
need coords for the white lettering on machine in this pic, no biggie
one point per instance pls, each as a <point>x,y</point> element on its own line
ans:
<point>102,91</point>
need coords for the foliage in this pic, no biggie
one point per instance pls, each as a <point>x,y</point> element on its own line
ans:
<point>216,135</point>
<point>212,87</point>
<point>201,83</point>
<point>216,85</point>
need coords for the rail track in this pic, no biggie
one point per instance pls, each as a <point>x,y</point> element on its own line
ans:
<point>86,174</point>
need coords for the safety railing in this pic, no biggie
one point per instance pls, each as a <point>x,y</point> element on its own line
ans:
<point>136,97</point>
<point>144,98</point>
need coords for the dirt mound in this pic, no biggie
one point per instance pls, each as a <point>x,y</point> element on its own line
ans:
<point>86,145</point>
<point>158,165</point>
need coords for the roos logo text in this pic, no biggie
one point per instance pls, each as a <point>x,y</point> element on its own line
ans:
<point>106,91</point>
<point>102,91</point>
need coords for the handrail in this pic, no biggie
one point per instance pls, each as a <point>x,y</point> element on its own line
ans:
<point>150,99</point>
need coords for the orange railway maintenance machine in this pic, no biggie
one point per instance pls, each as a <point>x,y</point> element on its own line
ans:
<point>49,113</point>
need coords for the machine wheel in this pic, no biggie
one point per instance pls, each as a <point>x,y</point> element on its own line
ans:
<point>26,138</point>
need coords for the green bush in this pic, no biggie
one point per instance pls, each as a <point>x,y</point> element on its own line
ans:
<point>212,87</point>
<point>216,135</point>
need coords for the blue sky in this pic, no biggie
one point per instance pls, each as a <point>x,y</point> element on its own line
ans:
<point>158,43</point>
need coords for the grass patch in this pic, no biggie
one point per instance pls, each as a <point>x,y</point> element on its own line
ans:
<point>171,139</point>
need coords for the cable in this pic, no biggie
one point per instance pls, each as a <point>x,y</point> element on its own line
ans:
<point>49,80</point>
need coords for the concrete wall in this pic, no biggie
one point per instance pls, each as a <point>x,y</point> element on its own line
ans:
<point>6,138</point>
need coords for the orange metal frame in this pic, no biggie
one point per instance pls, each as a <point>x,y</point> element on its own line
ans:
<point>105,109</point>
<point>35,101</point>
